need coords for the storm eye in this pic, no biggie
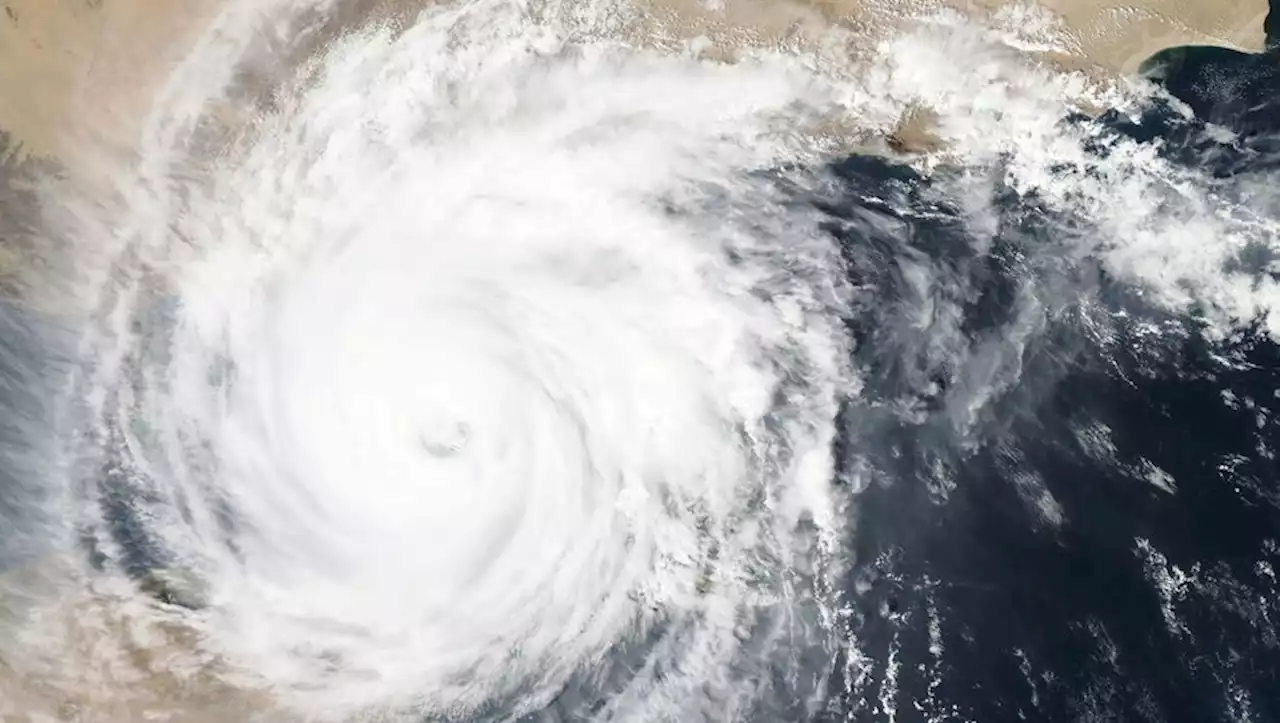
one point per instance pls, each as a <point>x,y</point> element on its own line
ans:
<point>444,439</point>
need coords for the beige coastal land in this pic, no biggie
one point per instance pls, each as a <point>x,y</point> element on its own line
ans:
<point>1120,35</point>
<point>74,67</point>
<point>72,64</point>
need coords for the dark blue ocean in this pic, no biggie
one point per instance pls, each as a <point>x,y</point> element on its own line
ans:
<point>1099,541</point>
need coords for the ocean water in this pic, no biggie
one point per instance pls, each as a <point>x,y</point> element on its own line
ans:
<point>505,365</point>
<point>1102,547</point>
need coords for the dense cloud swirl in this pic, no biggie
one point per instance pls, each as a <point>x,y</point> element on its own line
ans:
<point>533,361</point>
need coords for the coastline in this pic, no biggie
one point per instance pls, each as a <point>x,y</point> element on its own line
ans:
<point>86,70</point>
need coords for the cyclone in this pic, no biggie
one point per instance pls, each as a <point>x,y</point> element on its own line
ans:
<point>482,375</point>
<point>632,360</point>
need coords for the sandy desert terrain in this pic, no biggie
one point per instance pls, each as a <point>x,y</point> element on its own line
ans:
<point>76,68</point>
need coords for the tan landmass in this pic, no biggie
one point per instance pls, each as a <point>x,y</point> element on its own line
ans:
<point>78,68</point>
<point>1104,37</point>
<point>1114,35</point>
<point>1120,35</point>
<point>71,65</point>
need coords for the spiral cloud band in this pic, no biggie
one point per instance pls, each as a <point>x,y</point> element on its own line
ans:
<point>483,374</point>
<point>540,361</point>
